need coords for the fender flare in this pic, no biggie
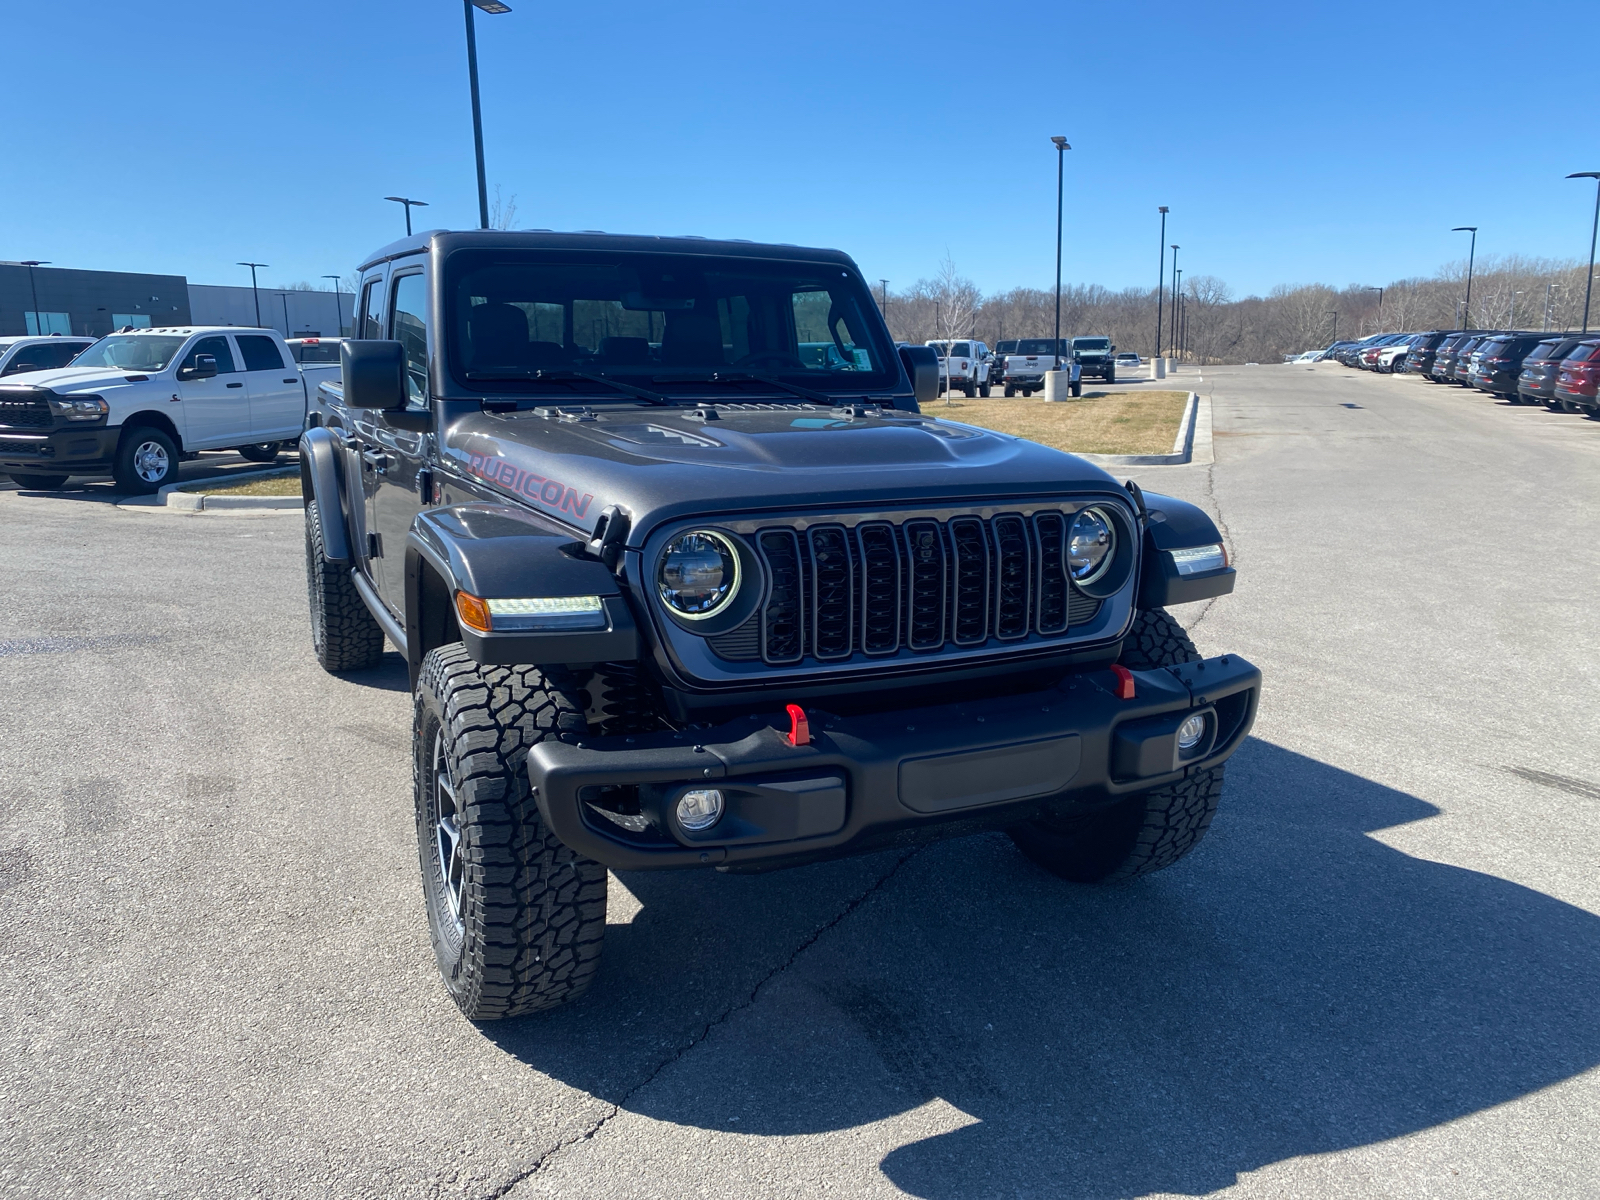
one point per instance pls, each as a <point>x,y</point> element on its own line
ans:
<point>319,485</point>
<point>496,551</point>
<point>1173,524</point>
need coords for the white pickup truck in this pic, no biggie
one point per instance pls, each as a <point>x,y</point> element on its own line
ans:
<point>138,403</point>
<point>963,367</point>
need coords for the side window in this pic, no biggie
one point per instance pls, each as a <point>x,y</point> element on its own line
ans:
<point>217,347</point>
<point>408,325</point>
<point>371,323</point>
<point>259,353</point>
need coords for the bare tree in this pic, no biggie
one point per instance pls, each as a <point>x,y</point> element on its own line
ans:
<point>502,216</point>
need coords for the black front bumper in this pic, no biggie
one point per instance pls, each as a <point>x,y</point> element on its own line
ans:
<point>64,451</point>
<point>864,781</point>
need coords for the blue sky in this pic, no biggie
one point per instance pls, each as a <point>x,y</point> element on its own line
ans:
<point>1293,142</point>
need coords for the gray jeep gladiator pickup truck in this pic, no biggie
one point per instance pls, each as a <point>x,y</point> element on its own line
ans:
<point>684,578</point>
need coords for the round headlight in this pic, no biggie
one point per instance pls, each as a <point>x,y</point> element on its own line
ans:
<point>699,574</point>
<point>1090,542</point>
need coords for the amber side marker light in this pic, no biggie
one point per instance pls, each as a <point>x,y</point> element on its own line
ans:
<point>473,612</point>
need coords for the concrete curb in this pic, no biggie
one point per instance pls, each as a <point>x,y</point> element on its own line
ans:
<point>192,502</point>
<point>1192,445</point>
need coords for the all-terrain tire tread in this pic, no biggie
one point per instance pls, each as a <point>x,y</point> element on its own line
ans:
<point>536,915</point>
<point>344,635</point>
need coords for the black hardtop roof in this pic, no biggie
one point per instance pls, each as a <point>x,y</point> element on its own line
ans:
<point>442,241</point>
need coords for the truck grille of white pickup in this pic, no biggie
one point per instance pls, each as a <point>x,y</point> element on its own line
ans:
<point>24,414</point>
<point>920,584</point>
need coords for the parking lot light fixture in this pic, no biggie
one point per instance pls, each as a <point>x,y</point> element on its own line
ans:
<point>1379,290</point>
<point>1175,274</point>
<point>33,289</point>
<point>254,294</point>
<point>410,204</point>
<point>1466,306</point>
<point>1062,147</point>
<point>338,305</point>
<point>1161,280</point>
<point>493,8</point>
<point>1594,228</point>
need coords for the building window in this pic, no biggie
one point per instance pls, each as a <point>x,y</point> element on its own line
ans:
<point>43,324</point>
<point>137,320</point>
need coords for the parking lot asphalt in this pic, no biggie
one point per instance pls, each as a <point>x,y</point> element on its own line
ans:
<point>1379,974</point>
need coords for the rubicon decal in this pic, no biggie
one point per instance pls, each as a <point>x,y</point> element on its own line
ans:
<point>551,493</point>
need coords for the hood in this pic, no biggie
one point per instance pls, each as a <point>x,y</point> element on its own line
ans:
<point>665,463</point>
<point>66,380</point>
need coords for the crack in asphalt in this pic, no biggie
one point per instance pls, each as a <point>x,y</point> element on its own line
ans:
<point>699,1039</point>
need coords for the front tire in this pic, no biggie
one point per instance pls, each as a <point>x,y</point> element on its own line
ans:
<point>146,461</point>
<point>1146,831</point>
<point>1111,376</point>
<point>262,452</point>
<point>983,390</point>
<point>344,635</point>
<point>38,483</point>
<point>517,918</point>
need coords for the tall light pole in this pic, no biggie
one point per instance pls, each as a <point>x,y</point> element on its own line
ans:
<point>33,288</point>
<point>1588,288</point>
<point>284,296</point>
<point>1175,283</point>
<point>410,204</point>
<point>338,305</point>
<point>1511,321</point>
<point>254,294</point>
<point>1334,314</point>
<point>1547,288</point>
<point>492,7</point>
<point>1379,290</point>
<point>1177,307</point>
<point>1061,157</point>
<point>883,284</point>
<point>1466,307</point>
<point>1161,280</point>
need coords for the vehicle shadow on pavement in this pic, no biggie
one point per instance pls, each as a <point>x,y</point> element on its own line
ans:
<point>1295,987</point>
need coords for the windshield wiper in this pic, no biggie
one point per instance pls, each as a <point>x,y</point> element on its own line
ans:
<point>793,389</point>
<point>557,376</point>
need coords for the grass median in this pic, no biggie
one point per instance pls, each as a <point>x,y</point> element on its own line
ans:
<point>285,483</point>
<point>1097,422</point>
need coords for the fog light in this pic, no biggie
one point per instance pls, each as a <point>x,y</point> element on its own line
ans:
<point>700,809</point>
<point>1191,731</point>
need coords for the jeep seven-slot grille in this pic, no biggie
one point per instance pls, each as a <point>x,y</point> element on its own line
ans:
<point>880,588</point>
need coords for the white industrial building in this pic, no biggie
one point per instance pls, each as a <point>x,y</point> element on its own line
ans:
<point>291,313</point>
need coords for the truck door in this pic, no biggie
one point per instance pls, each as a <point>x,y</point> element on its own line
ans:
<point>395,465</point>
<point>216,411</point>
<point>277,397</point>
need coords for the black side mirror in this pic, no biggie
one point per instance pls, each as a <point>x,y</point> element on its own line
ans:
<point>204,366</point>
<point>922,367</point>
<point>374,374</point>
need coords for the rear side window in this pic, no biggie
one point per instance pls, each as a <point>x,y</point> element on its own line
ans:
<point>260,353</point>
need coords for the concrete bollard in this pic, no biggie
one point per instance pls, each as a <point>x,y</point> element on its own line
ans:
<point>1058,385</point>
<point>1158,368</point>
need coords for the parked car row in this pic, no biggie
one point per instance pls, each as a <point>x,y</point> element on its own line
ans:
<point>1558,370</point>
<point>137,403</point>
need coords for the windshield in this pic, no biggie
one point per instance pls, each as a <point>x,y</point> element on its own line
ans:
<point>532,322</point>
<point>1037,346</point>
<point>131,352</point>
<point>1091,343</point>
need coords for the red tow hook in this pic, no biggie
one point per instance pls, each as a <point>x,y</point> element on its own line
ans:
<point>799,727</point>
<point>1124,682</point>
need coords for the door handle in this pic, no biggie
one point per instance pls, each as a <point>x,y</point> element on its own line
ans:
<point>291,381</point>
<point>236,385</point>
